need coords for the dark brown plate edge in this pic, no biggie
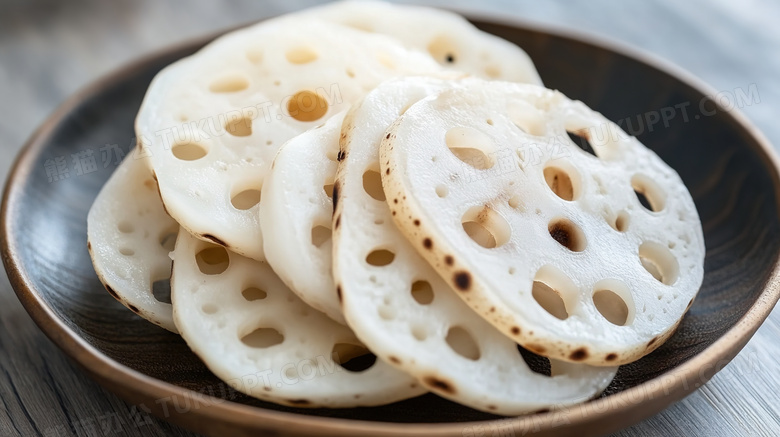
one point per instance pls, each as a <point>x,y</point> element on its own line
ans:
<point>634,404</point>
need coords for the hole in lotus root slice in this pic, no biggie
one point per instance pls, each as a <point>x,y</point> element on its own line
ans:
<point>209,308</point>
<point>254,55</point>
<point>168,239</point>
<point>486,227</point>
<point>246,195</point>
<point>307,106</point>
<point>328,188</point>
<point>442,49</point>
<point>610,298</point>
<point>301,55</point>
<point>320,235</point>
<point>262,338</point>
<point>471,146</point>
<point>442,191</point>
<point>352,357</point>
<point>659,261</point>
<point>527,118</point>
<point>212,260</point>
<point>239,127</point>
<point>554,291</point>
<point>649,194</point>
<point>580,139</point>
<point>563,179</point>
<point>126,251</point>
<point>463,343</point>
<point>620,221</point>
<point>537,363</point>
<point>372,183</point>
<point>190,151</point>
<point>125,227</point>
<point>161,290</point>
<point>229,83</point>
<point>422,292</point>
<point>567,234</point>
<point>419,332</point>
<point>253,293</point>
<point>380,257</point>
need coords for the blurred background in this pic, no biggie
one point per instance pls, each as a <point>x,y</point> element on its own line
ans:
<point>51,48</point>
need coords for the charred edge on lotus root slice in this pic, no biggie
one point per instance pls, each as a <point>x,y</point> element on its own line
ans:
<point>89,246</point>
<point>133,308</point>
<point>439,384</point>
<point>299,401</point>
<point>338,222</point>
<point>341,155</point>
<point>112,292</point>
<point>338,292</point>
<point>335,196</point>
<point>215,240</point>
<point>652,341</point>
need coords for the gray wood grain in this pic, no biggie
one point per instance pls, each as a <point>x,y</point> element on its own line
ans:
<point>49,49</point>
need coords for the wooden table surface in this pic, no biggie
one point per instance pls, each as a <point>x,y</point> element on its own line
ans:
<point>51,48</point>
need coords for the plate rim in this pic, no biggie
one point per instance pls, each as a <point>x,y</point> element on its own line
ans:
<point>132,385</point>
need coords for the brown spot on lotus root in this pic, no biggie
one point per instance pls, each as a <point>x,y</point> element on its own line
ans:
<point>394,359</point>
<point>579,354</point>
<point>536,348</point>
<point>449,260</point>
<point>567,234</point>
<point>515,330</point>
<point>133,308</point>
<point>428,243</point>
<point>436,383</point>
<point>611,357</point>
<point>462,280</point>
<point>652,341</point>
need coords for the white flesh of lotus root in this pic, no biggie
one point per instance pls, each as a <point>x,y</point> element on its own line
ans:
<point>400,307</point>
<point>448,37</point>
<point>213,122</point>
<point>553,226</point>
<point>254,333</point>
<point>295,215</point>
<point>129,237</point>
